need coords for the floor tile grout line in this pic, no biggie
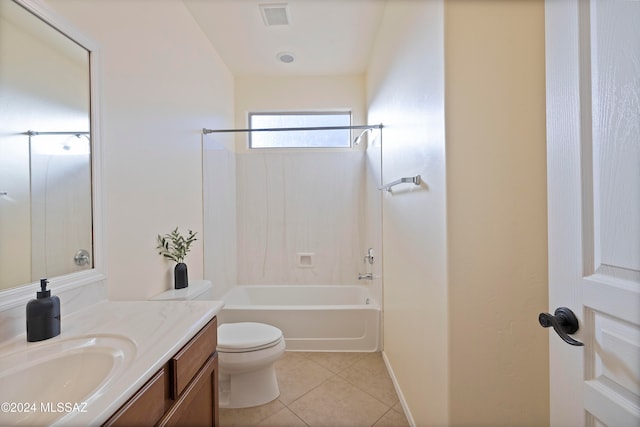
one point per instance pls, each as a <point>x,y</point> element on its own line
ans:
<point>367,392</point>
<point>337,374</point>
<point>340,372</point>
<point>386,405</point>
<point>360,357</point>
<point>381,417</point>
<point>288,409</point>
<point>307,392</point>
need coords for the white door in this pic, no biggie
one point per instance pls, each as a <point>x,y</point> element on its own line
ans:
<point>593,161</point>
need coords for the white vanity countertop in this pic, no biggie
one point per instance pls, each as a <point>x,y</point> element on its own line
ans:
<point>159,329</point>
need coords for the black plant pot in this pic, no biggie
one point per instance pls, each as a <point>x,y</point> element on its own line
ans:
<point>180,275</point>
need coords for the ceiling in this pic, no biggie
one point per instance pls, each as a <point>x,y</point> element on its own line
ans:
<point>325,37</point>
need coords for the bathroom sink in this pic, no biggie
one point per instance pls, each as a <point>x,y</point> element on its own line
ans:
<point>46,380</point>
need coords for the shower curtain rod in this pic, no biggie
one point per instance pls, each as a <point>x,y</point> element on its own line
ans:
<point>33,133</point>
<point>206,131</point>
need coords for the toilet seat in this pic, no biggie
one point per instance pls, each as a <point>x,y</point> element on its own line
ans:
<point>247,336</point>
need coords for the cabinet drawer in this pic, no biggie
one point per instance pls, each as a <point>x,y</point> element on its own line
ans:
<point>197,406</point>
<point>146,407</point>
<point>190,359</point>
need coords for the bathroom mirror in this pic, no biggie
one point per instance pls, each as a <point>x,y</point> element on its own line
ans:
<point>48,142</point>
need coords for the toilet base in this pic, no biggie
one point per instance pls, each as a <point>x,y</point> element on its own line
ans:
<point>249,389</point>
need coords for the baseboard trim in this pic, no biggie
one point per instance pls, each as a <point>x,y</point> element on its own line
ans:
<point>403,402</point>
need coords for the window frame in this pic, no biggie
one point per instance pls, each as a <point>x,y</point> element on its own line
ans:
<point>341,112</point>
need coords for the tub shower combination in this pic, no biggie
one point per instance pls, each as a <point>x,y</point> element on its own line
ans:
<point>318,317</point>
<point>311,317</point>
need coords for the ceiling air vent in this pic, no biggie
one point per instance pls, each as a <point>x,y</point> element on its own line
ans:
<point>275,14</point>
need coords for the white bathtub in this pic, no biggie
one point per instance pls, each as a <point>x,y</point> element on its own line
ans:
<point>311,317</point>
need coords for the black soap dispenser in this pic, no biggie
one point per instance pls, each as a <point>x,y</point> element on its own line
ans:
<point>43,315</point>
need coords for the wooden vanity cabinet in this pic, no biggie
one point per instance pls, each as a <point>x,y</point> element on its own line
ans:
<point>197,406</point>
<point>183,393</point>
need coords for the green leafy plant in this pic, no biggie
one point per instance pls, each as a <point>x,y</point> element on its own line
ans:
<point>174,245</point>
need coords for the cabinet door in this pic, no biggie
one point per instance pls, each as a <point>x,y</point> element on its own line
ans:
<point>190,359</point>
<point>197,405</point>
<point>146,407</point>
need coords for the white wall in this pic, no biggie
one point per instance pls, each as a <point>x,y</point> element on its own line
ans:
<point>405,86</point>
<point>270,93</point>
<point>496,204</point>
<point>465,255</point>
<point>161,82</point>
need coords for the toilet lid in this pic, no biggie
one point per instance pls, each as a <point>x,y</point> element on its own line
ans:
<point>247,336</point>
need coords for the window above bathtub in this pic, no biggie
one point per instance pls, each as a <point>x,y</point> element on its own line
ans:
<point>322,138</point>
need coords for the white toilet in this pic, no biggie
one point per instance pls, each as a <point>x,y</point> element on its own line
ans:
<point>246,355</point>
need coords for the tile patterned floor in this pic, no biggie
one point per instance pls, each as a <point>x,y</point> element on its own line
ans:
<point>326,389</point>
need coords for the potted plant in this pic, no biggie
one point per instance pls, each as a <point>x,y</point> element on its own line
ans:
<point>175,246</point>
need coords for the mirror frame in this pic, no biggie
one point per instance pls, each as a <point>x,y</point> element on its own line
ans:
<point>12,297</point>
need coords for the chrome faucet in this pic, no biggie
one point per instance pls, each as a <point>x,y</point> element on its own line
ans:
<point>369,256</point>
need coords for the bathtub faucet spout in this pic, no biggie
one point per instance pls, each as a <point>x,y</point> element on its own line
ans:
<point>365,276</point>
